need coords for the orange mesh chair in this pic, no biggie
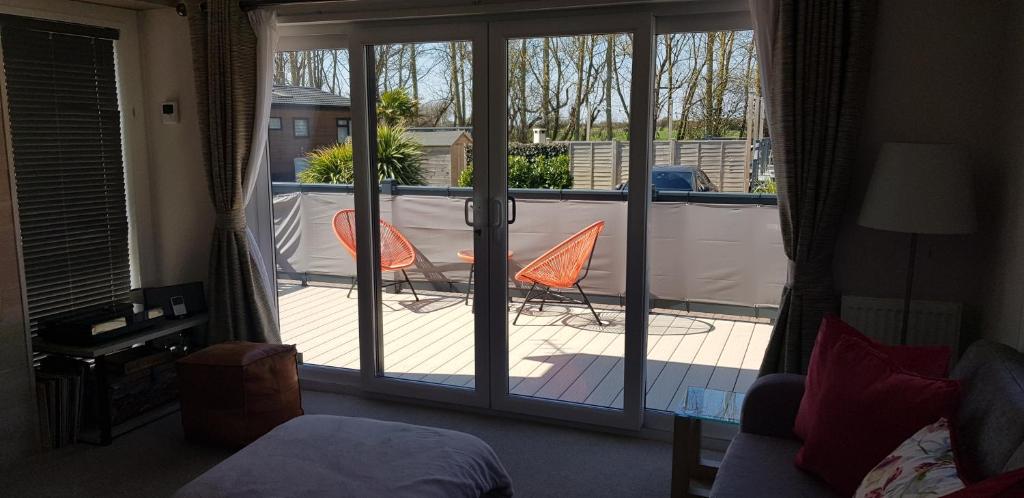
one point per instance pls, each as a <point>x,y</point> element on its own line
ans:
<point>396,253</point>
<point>561,267</point>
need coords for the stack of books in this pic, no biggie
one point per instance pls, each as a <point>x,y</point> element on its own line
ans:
<point>60,388</point>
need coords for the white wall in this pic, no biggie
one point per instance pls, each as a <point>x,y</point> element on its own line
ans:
<point>937,76</point>
<point>182,213</point>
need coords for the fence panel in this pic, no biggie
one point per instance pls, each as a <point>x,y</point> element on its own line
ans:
<point>603,165</point>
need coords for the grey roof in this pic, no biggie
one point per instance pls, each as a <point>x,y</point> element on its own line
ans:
<point>300,95</point>
<point>438,138</point>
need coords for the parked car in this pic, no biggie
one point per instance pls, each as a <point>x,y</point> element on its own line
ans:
<point>679,179</point>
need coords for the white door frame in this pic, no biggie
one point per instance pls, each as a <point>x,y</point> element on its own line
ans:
<point>488,35</point>
<point>641,26</point>
<point>363,85</point>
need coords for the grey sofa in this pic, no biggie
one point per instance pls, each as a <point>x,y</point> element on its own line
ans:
<point>759,462</point>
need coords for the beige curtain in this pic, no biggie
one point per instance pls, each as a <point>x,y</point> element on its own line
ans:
<point>815,56</point>
<point>224,56</point>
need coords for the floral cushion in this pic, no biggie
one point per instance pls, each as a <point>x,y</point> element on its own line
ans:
<point>923,466</point>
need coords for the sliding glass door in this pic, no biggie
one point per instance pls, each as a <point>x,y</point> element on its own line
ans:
<point>419,147</point>
<point>569,343</point>
<point>484,282</point>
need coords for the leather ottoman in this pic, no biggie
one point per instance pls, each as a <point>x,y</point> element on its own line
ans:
<point>234,392</point>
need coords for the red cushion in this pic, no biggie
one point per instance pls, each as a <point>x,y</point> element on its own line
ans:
<point>867,407</point>
<point>929,361</point>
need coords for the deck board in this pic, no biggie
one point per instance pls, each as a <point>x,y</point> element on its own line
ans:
<point>558,353</point>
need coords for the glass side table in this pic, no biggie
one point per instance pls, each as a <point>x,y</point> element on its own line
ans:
<point>700,404</point>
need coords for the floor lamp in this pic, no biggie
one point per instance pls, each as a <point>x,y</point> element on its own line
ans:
<point>919,189</point>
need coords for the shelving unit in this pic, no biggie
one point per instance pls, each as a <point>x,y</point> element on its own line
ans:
<point>107,430</point>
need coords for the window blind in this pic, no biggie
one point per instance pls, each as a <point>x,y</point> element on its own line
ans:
<point>65,130</point>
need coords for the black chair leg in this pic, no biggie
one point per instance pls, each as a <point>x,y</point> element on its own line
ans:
<point>585,300</point>
<point>413,289</point>
<point>525,300</point>
<point>469,285</point>
<point>544,297</point>
<point>351,287</point>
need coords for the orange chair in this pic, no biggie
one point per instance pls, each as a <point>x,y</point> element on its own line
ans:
<point>561,267</point>
<point>396,253</point>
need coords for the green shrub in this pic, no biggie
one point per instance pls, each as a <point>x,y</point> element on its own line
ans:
<point>765,187</point>
<point>466,176</point>
<point>399,156</point>
<point>530,151</point>
<point>329,164</point>
<point>542,172</point>
<point>556,172</point>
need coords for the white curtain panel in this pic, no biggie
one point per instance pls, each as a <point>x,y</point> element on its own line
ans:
<point>264,24</point>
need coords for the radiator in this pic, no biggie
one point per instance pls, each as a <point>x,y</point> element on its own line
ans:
<point>931,322</point>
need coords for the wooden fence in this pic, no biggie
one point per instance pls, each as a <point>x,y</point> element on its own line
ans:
<point>603,165</point>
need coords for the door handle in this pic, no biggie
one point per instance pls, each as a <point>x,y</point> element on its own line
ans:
<point>496,213</point>
<point>465,211</point>
<point>512,210</point>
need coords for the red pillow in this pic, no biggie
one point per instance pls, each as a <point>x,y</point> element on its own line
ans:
<point>929,361</point>
<point>867,407</point>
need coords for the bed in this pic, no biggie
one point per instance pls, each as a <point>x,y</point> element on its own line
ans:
<point>326,455</point>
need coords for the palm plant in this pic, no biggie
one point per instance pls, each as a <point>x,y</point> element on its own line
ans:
<point>396,107</point>
<point>399,156</point>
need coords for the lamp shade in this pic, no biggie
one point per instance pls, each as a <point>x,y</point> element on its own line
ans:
<point>920,188</point>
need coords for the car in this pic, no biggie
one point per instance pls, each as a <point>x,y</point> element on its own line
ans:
<point>678,178</point>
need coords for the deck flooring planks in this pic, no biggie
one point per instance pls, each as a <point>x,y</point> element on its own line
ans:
<point>703,364</point>
<point>660,395</point>
<point>568,365</point>
<point>552,354</point>
<point>460,332</point>
<point>752,359</point>
<point>578,370</point>
<point>413,335</point>
<point>727,368</point>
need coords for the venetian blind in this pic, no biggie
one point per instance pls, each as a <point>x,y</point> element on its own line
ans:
<point>65,130</point>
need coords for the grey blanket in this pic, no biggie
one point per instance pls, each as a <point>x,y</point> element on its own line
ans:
<point>324,455</point>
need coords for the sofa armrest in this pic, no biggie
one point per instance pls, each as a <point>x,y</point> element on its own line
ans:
<point>771,404</point>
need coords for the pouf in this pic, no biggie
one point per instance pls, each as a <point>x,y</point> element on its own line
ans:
<point>234,392</point>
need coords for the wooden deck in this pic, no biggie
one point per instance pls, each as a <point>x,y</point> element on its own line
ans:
<point>560,353</point>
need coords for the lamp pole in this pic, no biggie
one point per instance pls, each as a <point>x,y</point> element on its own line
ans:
<point>909,288</point>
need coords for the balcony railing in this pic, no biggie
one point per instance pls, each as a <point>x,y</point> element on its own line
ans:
<point>705,248</point>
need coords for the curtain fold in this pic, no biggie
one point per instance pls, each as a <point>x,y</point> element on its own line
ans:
<point>264,24</point>
<point>224,57</point>
<point>814,58</point>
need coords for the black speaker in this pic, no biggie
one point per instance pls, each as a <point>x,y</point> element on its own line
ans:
<point>177,301</point>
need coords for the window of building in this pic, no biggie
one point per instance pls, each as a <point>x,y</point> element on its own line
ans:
<point>275,123</point>
<point>301,127</point>
<point>343,130</point>
<point>65,131</point>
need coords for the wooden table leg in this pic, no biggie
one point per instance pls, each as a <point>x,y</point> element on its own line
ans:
<point>685,454</point>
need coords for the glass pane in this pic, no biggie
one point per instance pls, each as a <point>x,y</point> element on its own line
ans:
<point>424,144</point>
<point>314,269</point>
<point>716,268</point>
<point>568,132</point>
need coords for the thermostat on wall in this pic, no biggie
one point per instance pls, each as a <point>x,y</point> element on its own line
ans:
<point>169,112</point>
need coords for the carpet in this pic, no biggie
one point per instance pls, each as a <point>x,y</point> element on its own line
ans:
<point>543,460</point>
